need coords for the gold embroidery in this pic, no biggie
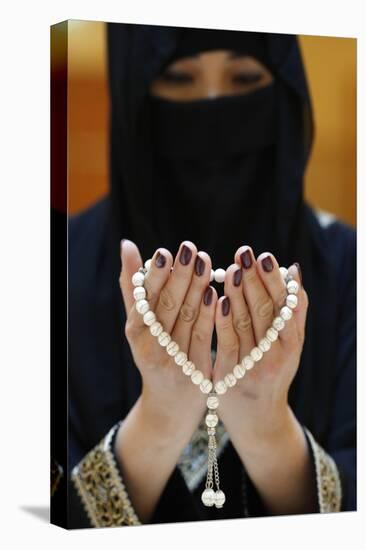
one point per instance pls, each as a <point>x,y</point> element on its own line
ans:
<point>101,488</point>
<point>327,477</point>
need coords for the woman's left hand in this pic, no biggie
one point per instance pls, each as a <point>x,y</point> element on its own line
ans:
<point>256,408</point>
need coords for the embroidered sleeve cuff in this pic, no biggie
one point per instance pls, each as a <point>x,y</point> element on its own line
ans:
<point>101,488</point>
<point>327,477</point>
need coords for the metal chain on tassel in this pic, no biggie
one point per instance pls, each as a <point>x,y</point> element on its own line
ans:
<point>210,497</point>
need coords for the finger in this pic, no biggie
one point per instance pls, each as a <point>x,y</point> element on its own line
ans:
<point>173,292</point>
<point>190,308</point>
<point>202,330</point>
<point>154,280</point>
<point>272,279</point>
<point>242,321</point>
<point>227,340</point>
<point>130,263</point>
<point>256,296</point>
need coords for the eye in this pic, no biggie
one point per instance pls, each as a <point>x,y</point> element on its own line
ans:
<point>175,77</point>
<point>247,78</point>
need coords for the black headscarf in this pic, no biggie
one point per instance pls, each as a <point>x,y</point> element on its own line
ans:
<point>222,172</point>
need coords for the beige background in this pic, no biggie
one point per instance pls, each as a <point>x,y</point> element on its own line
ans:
<point>330,63</point>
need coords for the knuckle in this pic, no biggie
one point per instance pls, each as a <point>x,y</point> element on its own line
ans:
<point>120,280</point>
<point>281,298</point>
<point>166,299</point>
<point>129,330</point>
<point>198,335</point>
<point>150,292</point>
<point>243,323</point>
<point>264,308</point>
<point>187,313</point>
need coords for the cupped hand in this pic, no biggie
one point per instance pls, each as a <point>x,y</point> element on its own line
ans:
<point>257,406</point>
<point>184,304</point>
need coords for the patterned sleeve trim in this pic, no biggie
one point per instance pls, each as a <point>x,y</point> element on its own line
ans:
<point>327,477</point>
<point>100,486</point>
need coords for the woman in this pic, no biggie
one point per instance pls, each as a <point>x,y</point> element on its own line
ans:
<point>210,135</point>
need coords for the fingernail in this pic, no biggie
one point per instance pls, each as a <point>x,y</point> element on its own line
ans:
<point>207,296</point>
<point>160,260</point>
<point>225,306</point>
<point>237,277</point>
<point>299,270</point>
<point>246,259</point>
<point>185,255</point>
<point>199,266</point>
<point>267,264</point>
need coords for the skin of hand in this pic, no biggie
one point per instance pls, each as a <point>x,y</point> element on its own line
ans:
<point>255,412</point>
<point>176,297</point>
<point>257,406</point>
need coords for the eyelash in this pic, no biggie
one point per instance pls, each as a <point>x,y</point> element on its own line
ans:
<point>183,78</point>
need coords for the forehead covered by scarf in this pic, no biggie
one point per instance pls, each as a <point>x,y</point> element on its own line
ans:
<point>194,40</point>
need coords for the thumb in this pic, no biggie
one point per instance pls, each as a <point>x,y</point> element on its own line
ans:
<point>131,261</point>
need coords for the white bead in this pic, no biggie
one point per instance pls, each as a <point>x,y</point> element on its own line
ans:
<point>142,306</point>
<point>293,287</point>
<point>230,380</point>
<point>239,371</point>
<point>272,334</point>
<point>220,275</point>
<point>139,293</point>
<point>148,264</point>
<point>180,358</point>
<point>164,338</point>
<point>211,420</point>
<point>291,301</point>
<point>220,387</point>
<point>188,368</point>
<point>197,377</point>
<point>172,348</point>
<point>212,276</point>
<point>212,402</point>
<point>208,497</point>
<point>278,323</point>
<point>264,344</point>
<point>206,386</point>
<point>219,498</point>
<point>286,313</point>
<point>138,279</point>
<point>284,272</point>
<point>156,328</point>
<point>256,354</point>
<point>247,362</point>
<point>149,318</point>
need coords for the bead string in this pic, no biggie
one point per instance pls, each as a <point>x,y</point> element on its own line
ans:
<point>209,496</point>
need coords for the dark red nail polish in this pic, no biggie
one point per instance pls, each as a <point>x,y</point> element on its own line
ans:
<point>207,296</point>
<point>199,266</point>
<point>246,259</point>
<point>237,277</point>
<point>185,255</point>
<point>267,264</point>
<point>225,306</point>
<point>299,270</point>
<point>160,260</point>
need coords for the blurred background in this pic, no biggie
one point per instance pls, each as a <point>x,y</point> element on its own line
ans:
<point>330,182</point>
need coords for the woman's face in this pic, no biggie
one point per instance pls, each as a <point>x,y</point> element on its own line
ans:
<point>210,74</point>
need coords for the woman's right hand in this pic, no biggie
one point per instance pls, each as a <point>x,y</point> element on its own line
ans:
<point>180,298</point>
